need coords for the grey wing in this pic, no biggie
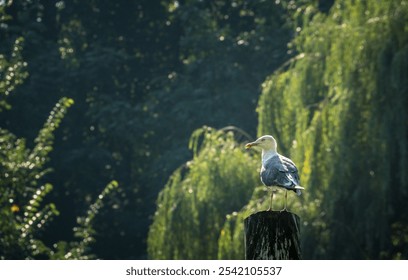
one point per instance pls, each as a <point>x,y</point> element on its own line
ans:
<point>291,170</point>
<point>280,171</point>
<point>269,174</point>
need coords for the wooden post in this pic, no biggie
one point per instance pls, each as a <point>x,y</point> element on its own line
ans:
<point>272,235</point>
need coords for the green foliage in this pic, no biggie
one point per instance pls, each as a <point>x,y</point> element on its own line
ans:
<point>193,205</point>
<point>22,193</point>
<point>24,212</point>
<point>226,49</point>
<point>85,232</point>
<point>145,74</point>
<point>12,72</point>
<point>339,111</point>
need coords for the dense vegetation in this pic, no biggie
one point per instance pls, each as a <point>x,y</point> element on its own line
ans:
<point>341,110</point>
<point>338,108</point>
<point>139,93</point>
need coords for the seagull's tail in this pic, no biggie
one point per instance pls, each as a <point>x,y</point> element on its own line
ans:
<point>297,190</point>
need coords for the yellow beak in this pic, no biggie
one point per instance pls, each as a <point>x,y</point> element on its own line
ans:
<point>249,145</point>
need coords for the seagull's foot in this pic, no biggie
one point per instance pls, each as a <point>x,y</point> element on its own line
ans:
<point>284,210</point>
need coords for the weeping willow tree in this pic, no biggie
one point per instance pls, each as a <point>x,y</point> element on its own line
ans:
<point>339,110</point>
<point>193,206</point>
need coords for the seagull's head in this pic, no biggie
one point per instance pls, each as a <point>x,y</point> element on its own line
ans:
<point>266,143</point>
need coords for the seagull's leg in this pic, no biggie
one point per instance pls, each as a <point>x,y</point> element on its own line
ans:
<point>286,200</point>
<point>272,195</point>
<point>270,203</point>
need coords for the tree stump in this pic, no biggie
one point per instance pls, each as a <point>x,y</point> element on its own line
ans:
<point>272,235</point>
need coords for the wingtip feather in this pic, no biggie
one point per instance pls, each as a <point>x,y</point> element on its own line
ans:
<point>298,188</point>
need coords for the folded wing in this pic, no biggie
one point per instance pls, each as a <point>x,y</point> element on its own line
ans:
<point>282,172</point>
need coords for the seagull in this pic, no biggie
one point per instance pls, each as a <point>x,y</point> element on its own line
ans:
<point>276,169</point>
